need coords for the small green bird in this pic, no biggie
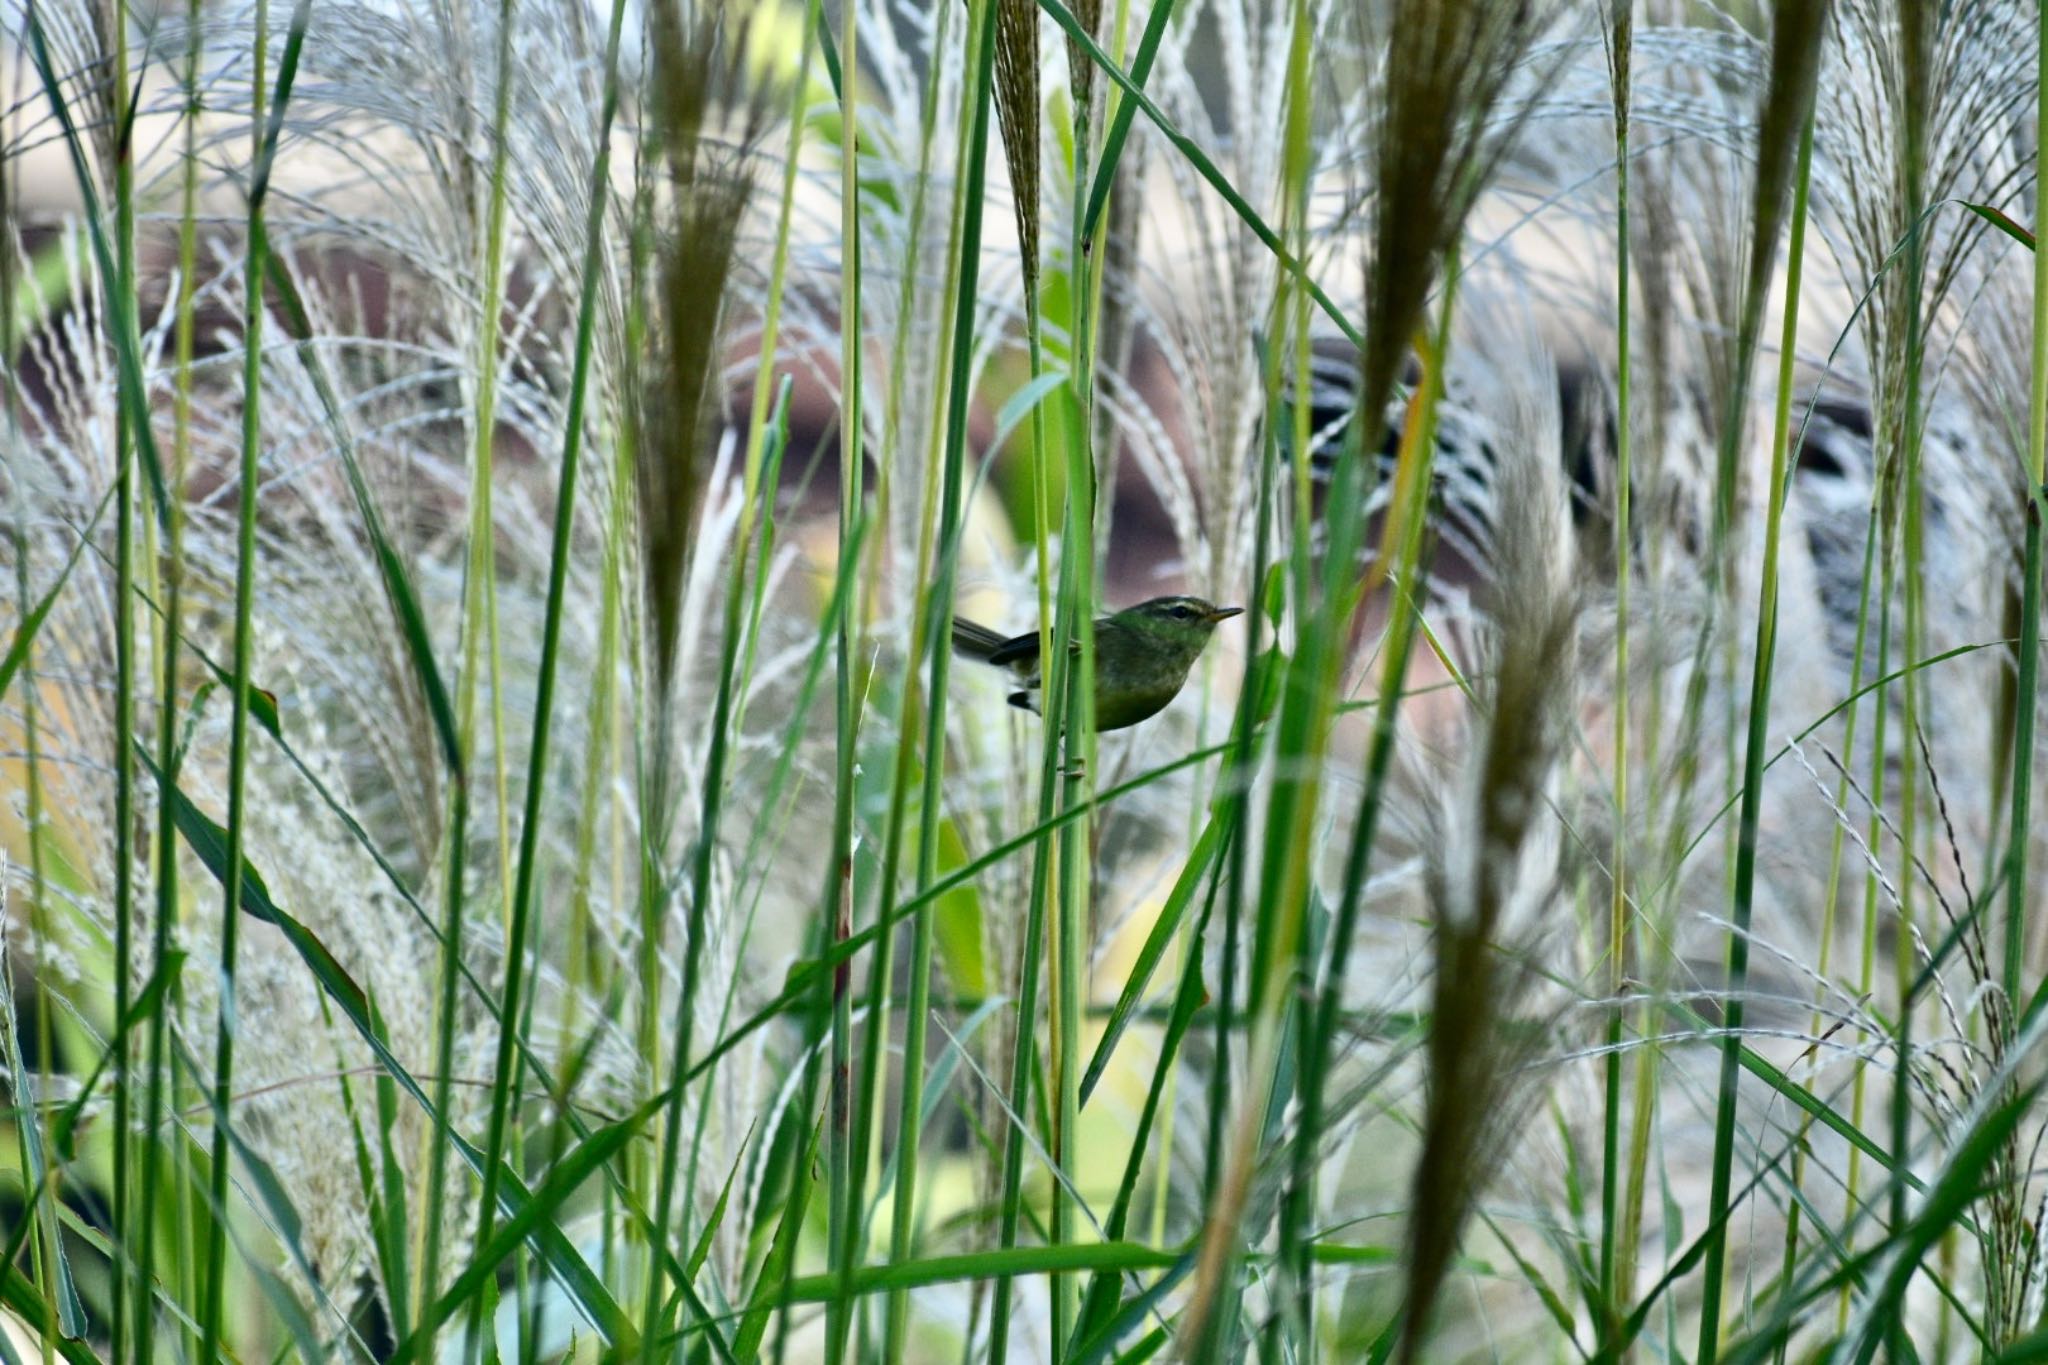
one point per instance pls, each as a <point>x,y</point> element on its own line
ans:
<point>1142,656</point>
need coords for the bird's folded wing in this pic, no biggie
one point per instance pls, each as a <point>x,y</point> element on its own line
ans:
<point>1019,651</point>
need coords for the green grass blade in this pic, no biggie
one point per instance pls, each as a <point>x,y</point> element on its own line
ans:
<point>140,1010</point>
<point>1204,166</point>
<point>702,1250</point>
<point>805,975</point>
<point>1154,950</point>
<point>398,588</point>
<point>999,1264</point>
<point>37,1173</point>
<point>526,1223</point>
<point>503,1069</point>
<point>1120,125</point>
<point>32,622</point>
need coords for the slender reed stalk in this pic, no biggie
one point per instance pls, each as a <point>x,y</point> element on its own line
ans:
<point>1077,844</point>
<point>1292,302</point>
<point>1617,1281</point>
<point>2030,591</point>
<point>158,1145</point>
<point>126,1279</point>
<point>40,1227</point>
<point>862,1109</point>
<point>938,559</point>
<point>1797,32</point>
<point>1448,66</point>
<point>480,587</point>
<point>254,269</point>
<point>1916,36</point>
<point>510,1004</point>
<point>852,1110</point>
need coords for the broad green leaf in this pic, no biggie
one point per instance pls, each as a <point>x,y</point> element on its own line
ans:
<point>804,975</point>
<point>36,1170</point>
<point>773,1279</point>
<point>23,1298</point>
<point>988,1265</point>
<point>702,1250</point>
<point>1120,125</point>
<point>957,921</point>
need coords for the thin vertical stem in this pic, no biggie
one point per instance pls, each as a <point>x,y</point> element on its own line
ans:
<point>123,1212</point>
<point>1616,1282</point>
<point>238,733</point>
<point>1759,704</point>
<point>1077,843</point>
<point>860,1111</point>
<point>42,1229</point>
<point>125,1268</point>
<point>510,1012</point>
<point>2030,591</point>
<point>157,1144</point>
<point>931,621</point>
<point>480,574</point>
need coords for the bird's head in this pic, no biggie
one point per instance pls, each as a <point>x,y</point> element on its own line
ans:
<point>1188,620</point>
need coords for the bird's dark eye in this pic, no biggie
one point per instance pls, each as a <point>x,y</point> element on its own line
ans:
<point>1184,611</point>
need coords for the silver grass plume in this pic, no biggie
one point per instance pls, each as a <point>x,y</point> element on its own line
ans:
<point>1929,97</point>
<point>1448,65</point>
<point>1017,101</point>
<point>1493,879</point>
<point>695,86</point>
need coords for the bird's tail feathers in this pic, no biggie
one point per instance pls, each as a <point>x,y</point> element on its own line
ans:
<point>975,640</point>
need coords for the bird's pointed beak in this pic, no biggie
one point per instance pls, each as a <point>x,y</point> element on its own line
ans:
<point>1224,614</point>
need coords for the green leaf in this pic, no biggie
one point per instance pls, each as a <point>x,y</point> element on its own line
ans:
<point>1003,1263</point>
<point>957,920</point>
<point>1969,1172</point>
<point>130,389</point>
<point>398,588</point>
<point>1134,1311</point>
<point>140,1009</point>
<point>804,975</point>
<point>1274,593</point>
<point>1126,112</point>
<point>703,1247</point>
<point>23,1298</point>
<point>2004,224</point>
<point>525,1222</point>
<point>1078,34</point>
<point>1020,404</point>
<point>1156,943</point>
<point>36,1171</point>
<point>25,633</point>
<point>768,1286</point>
